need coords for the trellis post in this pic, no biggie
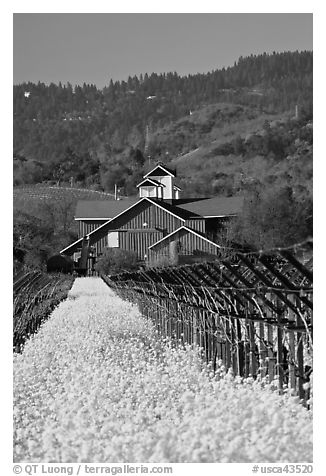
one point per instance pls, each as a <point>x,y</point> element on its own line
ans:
<point>292,356</point>
<point>194,326</point>
<point>262,351</point>
<point>239,356</point>
<point>252,345</point>
<point>279,331</point>
<point>270,344</point>
<point>228,362</point>
<point>271,358</point>
<point>300,355</point>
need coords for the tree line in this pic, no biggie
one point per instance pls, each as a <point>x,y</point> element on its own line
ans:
<point>64,132</point>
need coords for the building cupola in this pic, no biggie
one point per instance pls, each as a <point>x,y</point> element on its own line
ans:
<point>159,183</point>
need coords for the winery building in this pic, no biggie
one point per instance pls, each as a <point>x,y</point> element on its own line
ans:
<point>159,226</point>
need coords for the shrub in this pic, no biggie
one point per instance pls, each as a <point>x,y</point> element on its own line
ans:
<point>161,262</point>
<point>116,260</point>
<point>59,264</point>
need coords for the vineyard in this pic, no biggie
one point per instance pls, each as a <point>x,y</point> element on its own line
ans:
<point>97,383</point>
<point>253,312</point>
<point>39,192</point>
<point>35,295</point>
<point>206,362</point>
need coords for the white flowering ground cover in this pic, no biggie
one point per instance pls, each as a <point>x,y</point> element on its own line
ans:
<point>96,384</point>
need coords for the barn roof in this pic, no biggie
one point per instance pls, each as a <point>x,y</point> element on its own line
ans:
<point>211,207</point>
<point>101,209</point>
<point>174,209</point>
<point>214,207</point>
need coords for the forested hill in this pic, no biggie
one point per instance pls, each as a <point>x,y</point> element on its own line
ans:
<point>92,136</point>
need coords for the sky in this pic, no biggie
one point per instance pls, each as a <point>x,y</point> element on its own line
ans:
<point>97,47</point>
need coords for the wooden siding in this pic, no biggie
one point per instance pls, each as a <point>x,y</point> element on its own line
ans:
<point>138,241</point>
<point>195,224</point>
<point>133,236</point>
<point>188,244</point>
<point>153,216</point>
<point>85,227</point>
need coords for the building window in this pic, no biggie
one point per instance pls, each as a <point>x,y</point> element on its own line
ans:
<point>77,255</point>
<point>148,192</point>
<point>113,239</point>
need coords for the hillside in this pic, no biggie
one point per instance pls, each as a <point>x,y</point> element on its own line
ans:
<point>212,124</point>
<point>101,137</point>
<point>228,149</point>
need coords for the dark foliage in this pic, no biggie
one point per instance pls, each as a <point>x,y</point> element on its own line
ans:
<point>116,260</point>
<point>41,231</point>
<point>59,264</point>
<point>272,218</point>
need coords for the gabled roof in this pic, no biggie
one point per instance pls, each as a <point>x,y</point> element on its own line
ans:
<point>151,182</point>
<point>173,209</point>
<point>101,209</point>
<point>211,207</point>
<point>189,230</point>
<point>215,207</point>
<point>111,223</point>
<point>163,168</point>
